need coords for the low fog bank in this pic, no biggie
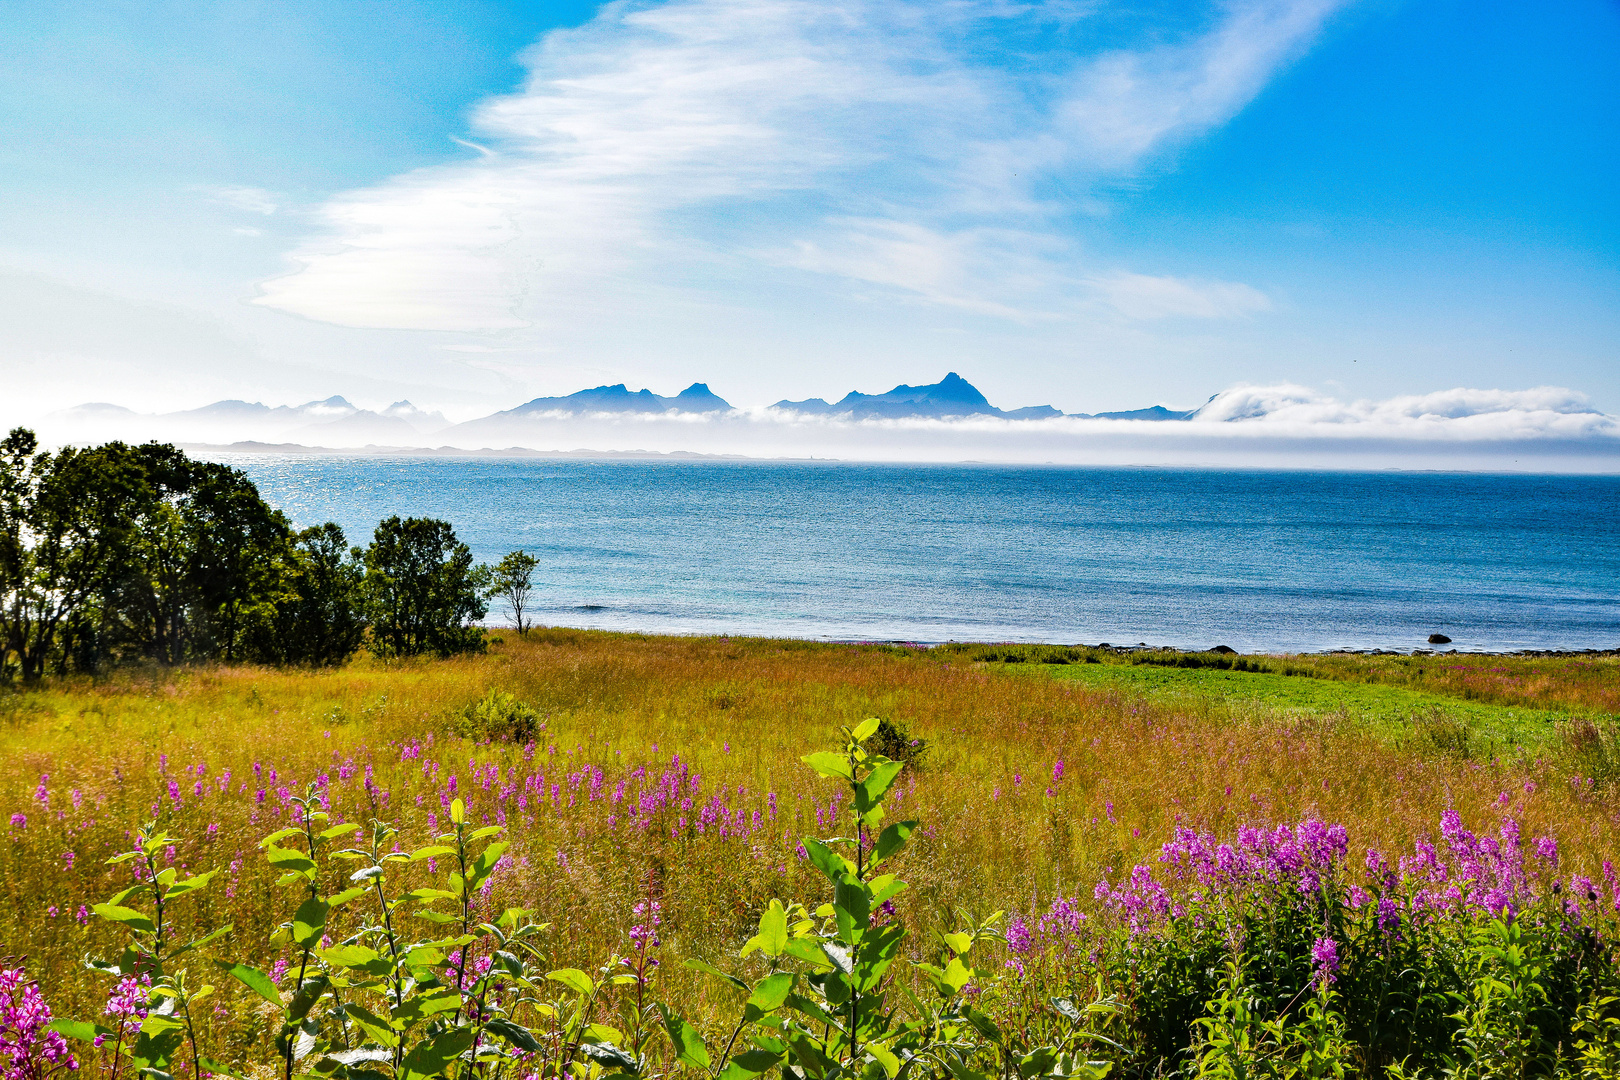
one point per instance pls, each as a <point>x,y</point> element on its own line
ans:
<point>1545,429</point>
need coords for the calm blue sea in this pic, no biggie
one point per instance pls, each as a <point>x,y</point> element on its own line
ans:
<point>1254,560</point>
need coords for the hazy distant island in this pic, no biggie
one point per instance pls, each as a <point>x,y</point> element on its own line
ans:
<point>336,421</point>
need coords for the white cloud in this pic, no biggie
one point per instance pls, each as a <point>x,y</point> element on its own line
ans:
<point>251,199</point>
<point>1141,296</point>
<point>678,153</point>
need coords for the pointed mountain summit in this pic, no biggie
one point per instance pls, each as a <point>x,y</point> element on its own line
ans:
<point>951,396</point>
<point>618,398</point>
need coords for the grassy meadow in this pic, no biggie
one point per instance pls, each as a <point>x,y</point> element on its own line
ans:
<point>669,769</point>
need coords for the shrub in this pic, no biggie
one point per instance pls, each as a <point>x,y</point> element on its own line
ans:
<point>499,717</point>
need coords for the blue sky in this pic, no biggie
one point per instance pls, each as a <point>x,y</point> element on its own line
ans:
<point>1090,204</point>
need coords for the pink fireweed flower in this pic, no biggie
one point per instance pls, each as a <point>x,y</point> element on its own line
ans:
<point>1325,961</point>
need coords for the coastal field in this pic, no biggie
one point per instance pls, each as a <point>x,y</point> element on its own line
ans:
<point>630,769</point>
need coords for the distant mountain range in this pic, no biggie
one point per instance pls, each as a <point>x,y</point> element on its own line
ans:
<point>337,422</point>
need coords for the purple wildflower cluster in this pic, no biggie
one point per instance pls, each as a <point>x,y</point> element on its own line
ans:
<point>1464,874</point>
<point>27,1050</point>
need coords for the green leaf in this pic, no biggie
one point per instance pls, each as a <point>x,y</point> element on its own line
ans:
<point>768,995</point>
<point>77,1029</point>
<point>458,812</point>
<point>808,950</point>
<point>573,978</point>
<point>432,851</point>
<point>854,907</point>
<point>884,1057</point>
<point>866,729</point>
<point>892,839</point>
<point>190,884</point>
<point>956,975</point>
<point>689,1048</point>
<point>340,830</point>
<point>419,1007</point>
<point>710,969</point>
<point>610,1056</point>
<point>879,780</point>
<point>487,830</point>
<point>433,1056</point>
<point>344,897</point>
<point>128,916</point>
<point>773,933</point>
<point>828,861</point>
<point>959,943</point>
<point>514,1033</point>
<point>749,1063</point>
<point>288,859</point>
<point>830,764</point>
<point>280,835</point>
<point>375,1027</point>
<point>257,981</point>
<point>309,923</point>
<point>356,958</point>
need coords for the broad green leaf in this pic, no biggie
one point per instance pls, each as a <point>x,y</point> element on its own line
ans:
<point>419,1007</point>
<point>854,907</point>
<point>487,830</point>
<point>959,943</point>
<point>340,830</point>
<point>573,978</point>
<point>956,974</point>
<point>808,950</point>
<point>280,835</point>
<point>432,851</point>
<point>884,1057</point>
<point>288,859</point>
<point>773,934</point>
<point>866,729</point>
<point>608,1055</point>
<point>458,812</point>
<point>985,1026</point>
<point>830,764</point>
<point>828,861</point>
<point>77,1029</point>
<point>892,839</point>
<point>344,897</point>
<point>309,923</point>
<point>689,1048</point>
<point>128,916</point>
<point>749,1063</point>
<point>884,888</point>
<point>768,995</point>
<point>878,782</point>
<point>375,1027</point>
<point>257,981</point>
<point>433,1056</point>
<point>514,1033</point>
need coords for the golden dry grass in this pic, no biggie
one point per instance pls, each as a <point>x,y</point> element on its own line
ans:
<point>1000,830</point>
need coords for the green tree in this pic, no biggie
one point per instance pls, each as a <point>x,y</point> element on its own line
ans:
<point>317,618</point>
<point>423,592</point>
<point>512,582</point>
<point>63,520</point>
<point>203,552</point>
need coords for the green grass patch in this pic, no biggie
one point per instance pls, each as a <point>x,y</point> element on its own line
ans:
<point>1392,712</point>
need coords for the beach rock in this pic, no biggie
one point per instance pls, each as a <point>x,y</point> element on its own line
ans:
<point>1224,650</point>
<point>1439,639</point>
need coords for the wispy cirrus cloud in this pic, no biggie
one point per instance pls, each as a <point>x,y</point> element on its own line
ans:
<point>690,149</point>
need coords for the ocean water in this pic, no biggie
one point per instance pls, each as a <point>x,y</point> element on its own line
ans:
<point>1273,561</point>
